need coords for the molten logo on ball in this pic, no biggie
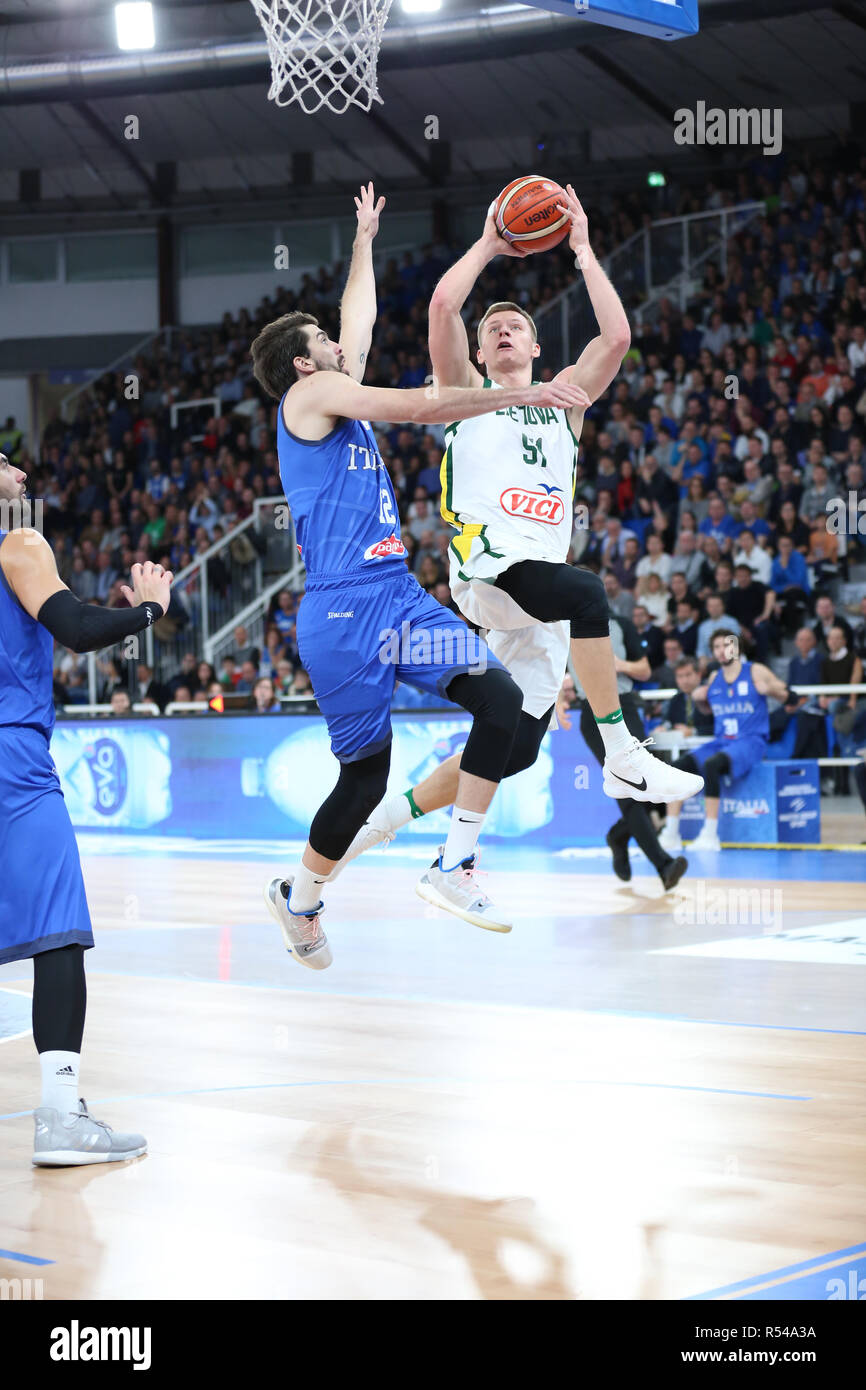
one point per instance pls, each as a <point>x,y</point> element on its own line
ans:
<point>517,501</point>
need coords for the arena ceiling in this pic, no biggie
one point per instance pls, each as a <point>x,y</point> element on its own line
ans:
<point>598,99</point>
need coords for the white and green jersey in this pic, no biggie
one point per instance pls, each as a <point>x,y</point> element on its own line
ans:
<point>508,489</point>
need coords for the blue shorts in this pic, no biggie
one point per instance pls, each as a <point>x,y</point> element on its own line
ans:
<point>358,635</point>
<point>744,753</point>
<point>42,899</point>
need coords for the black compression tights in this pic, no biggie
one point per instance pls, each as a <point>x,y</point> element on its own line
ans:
<point>59,999</point>
<point>550,593</point>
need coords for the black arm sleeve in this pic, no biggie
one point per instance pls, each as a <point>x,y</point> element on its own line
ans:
<point>85,628</point>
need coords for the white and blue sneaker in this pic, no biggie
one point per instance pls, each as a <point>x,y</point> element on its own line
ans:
<point>77,1138</point>
<point>458,891</point>
<point>302,931</point>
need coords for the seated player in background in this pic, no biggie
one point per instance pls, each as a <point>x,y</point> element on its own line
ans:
<point>737,695</point>
<point>43,908</point>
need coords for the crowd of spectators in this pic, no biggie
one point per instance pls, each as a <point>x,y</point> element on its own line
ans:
<point>710,475</point>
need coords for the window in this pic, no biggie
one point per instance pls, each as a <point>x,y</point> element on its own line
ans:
<point>111,256</point>
<point>229,250</point>
<point>32,261</point>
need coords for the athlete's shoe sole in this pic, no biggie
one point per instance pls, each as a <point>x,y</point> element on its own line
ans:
<point>431,895</point>
<point>68,1158</point>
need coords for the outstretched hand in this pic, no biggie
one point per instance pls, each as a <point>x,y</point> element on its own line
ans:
<point>368,210</point>
<point>562,394</point>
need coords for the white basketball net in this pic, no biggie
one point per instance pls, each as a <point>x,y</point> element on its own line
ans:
<point>323,52</point>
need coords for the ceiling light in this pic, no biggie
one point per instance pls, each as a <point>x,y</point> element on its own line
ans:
<point>134,25</point>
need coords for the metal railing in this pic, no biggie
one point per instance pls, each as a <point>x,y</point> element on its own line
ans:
<point>126,357</point>
<point>658,262</point>
<point>227,579</point>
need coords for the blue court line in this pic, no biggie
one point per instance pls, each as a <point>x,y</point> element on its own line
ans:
<point>729,1023</point>
<point>475,1003</point>
<point>427,1080</point>
<point>23,1259</point>
<point>804,1267</point>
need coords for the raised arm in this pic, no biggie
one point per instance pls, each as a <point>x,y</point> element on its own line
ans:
<point>312,406</point>
<point>358,305</point>
<point>449,344</point>
<point>602,357</point>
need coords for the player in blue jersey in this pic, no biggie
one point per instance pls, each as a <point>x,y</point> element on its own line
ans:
<point>737,694</point>
<point>43,908</point>
<point>364,621</point>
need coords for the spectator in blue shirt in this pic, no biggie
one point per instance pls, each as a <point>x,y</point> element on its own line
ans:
<point>789,578</point>
<point>719,525</point>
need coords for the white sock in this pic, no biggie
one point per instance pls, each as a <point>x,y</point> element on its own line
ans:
<point>398,810</point>
<point>60,1081</point>
<point>462,837</point>
<point>615,737</point>
<point>672,825</point>
<point>711,825</point>
<point>306,890</point>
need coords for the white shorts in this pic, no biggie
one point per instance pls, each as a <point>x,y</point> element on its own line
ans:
<point>534,653</point>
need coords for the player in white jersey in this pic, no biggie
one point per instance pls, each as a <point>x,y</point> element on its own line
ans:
<point>508,491</point>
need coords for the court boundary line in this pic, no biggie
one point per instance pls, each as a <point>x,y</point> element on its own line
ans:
<point>434,1081</point>
<point>786,1274</point>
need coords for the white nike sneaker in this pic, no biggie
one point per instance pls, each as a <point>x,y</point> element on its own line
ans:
<point>636,773</point>
<point>459,892</point>
<point>706,839</point>
<point>302,931</point>
<point>670,840</point>
<point>77,1138</point>
<point>376,830</point>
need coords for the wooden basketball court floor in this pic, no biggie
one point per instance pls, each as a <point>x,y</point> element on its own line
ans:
<point>632,1096</point>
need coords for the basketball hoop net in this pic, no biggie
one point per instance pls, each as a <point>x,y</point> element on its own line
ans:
<point>323,52</point>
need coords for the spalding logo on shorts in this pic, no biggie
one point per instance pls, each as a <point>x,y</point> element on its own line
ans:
<point>540,506</point>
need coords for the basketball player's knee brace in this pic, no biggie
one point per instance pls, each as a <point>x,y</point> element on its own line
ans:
<point>360,787</point>
<point>591,614</point>
<point>495,701</point>
<point>527,742</point>
<point>713,771</point>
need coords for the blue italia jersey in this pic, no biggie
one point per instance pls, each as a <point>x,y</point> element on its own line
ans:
<point>26,665</point>
<point>342,500</point>
<point>738,709</point>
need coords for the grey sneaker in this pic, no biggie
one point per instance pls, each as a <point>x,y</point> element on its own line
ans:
<point>459,892</point>
<point>302,931</point>
<point>85,1140</point>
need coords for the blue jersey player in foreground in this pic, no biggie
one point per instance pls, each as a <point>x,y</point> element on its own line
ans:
<point>43,908</point>
<point>737,694</point>
<point>364,621</point>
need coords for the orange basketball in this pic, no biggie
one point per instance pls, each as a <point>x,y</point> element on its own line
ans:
<point>526,213</point>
